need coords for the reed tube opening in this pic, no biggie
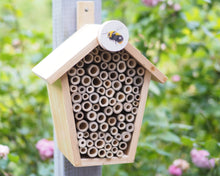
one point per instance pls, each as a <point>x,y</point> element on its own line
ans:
<point>115,142</point>
<point>116,57</point>
<point>72,72</point>
<point>93,70</point>
<point>83,150</point>
<point>108,147</point>
<point>121,77</point>
<point>140,71</point>
<point>101,90</point>
<point>80,72</point>
<point>103,101</point>
<point>134,110</point>
<point>129,117</point>
<point>106,56</point>
<point>75,80</point>
<point>127,89</point>
<point>135,90</point>
<point>121,125</point>
<point>131,72</point>
<point>86,80</point>
<point>137,97</point>
<point>82,125</point>
<point>130,98</point>
<point>128,107</point>
<point>103,75</point>
<point>95,107</point>
<point>100,143</point>
<point>111,66</point>
<point>131,63</point>
<point>108,111</point>
<point>103,127</point>
<point>107,84</point>
<point>108,138</point>
<point>104,65</point>
<point>86,106</point>
<point>95,51</point>
<point>118,137</point>
<point>79,115</point>
<point>125,56</point>
<point>82,89</point>
<point>120,97</point>
<point>114,131</point>
<point>112,101</point>
<point>76,107</point>
<point>73,88</point>
<point>121,117</point>
<point>101,117</point>
<point>80,64</point>
<point>90,89</point>
<point>112,121</point>
<point>85,96</point>
<point>88,59</point>
<point>130,127</point>
<point>82,143</point>
<point>76,97</point>
<point>126,136</point>
<point>117,108</point>
<point>96,82</point>
<point>123,145</point>
<point>101,135</point>
<point>110,92</point>
<point>101,153</point>
<point>91,115</point>
<point>94,98</point>
<point>116,85</point>
<point>92,152</point>
<point>113,75</point>
<point>121,66</point>
<point>128,80</point>
<point>86,134</point>
<point>109,154</point>
<point>79,135</point>
<point>100,48</point>
<point>114,150</point>
<point>120,154</point>
<point>93,126</point>
<point>138,80</point>
<point>135,103</point>
<point>97,59</point>
<point>89,143</point>
<point>94,136</point>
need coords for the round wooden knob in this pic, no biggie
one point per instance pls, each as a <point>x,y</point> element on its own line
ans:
<point>113,35</point>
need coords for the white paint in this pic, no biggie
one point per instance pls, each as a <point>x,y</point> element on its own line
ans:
<point>113,35</point>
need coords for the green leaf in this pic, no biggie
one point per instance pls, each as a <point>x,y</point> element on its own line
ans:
<point>14,158</point>
<point>170,137</point>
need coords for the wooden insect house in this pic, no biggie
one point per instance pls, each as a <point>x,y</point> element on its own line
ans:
<point>98,85</point>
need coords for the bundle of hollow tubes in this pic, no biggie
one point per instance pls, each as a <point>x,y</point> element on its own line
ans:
<point>105,92</point>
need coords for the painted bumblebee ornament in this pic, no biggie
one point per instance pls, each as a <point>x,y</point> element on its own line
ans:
<point>115,36</point>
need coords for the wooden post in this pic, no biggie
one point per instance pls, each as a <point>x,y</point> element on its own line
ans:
<point>65,24</point>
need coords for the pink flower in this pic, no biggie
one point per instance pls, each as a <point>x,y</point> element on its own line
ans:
<point>181,163</point>
<point>176,7</point>
<point>200,159</point>
<point>176,78</point>
<point>4,151</point>
<point>173,170</point>
<point>45,148</point>
<point>150,2</point>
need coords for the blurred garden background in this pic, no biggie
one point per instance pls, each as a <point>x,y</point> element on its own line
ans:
<point>182,38</point>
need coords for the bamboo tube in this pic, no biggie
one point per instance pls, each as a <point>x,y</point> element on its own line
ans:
<point>82,125</point>
<point>93,70</point>
<point>126,136</point>
<point>97,59</point>
<point>116,85</point>
<point>121,125</point>
<point>94,98</point>
<point>88,59</point>
<point>121,77</point>
<point>108,138</point>
<point>128,80</point>
<point>101,117</point>
<point>135,103</point>
<point>121,117</point>
<point>115,143</point>
<point>96,82</point>
<point>72,72</point>
<point>80,72</point>
<point>101,135</point>
<point>76,97</point>
<point>100,48</point>
<point>112,121</point>
<point>135,90</point>
<point>140,71</point>
<point>127,107</point>
<point>76,107</point>
<point>131,63</point>
<point>120,97</point>
<point>121,66</point>
<point>137,97</point>
<point>108,111</point>
<point>106,56</point>
<point>93,136</point>
<point>116,57</point>
<point>91,115</point>
<point>86,106</point>
<point>92,152</point>
<point>117,108</point>
<point>79,115</point>
<point>101,153</point>
<point>100,143</point>
<point>86,80</point>
<point>90,89</point>
<point>113,75</point>
<point>108,147</point>
<point>110,92</point>
<point>109,154</point>
<point>121,51</point>
<point>73,88</point>
<point>138,80</point>
<point>130,127</point>
<point>93,126</point>
<point>86,134</point>
<point>101,90</point>
<point>85,96</point>
<point>123,145</point>
<point>114,131</point>
<point>134,110</point>
<point>80,64</point>
<point>114,150</point>
<point>118,137</point>
<point>103,101</point>
<point>129,117</point>
<point>111,66</point>
<point>82,89</point>
<point>131,72</point>
<point>107,84</point>
<point>103,75</point>
<point>75,80</point>
<point>79,135</point>
<point>104,65</point>
<point>130,98</point>
<point>95,107</point>
<point>95,51</point>
<point>89,143</point>
<point>127,89</point>
<point>120,154</point>
<point>125,56</point>
<point>82,143</point>
<point>83,150</point>
<point>103,127</point>
<point>112,101</point>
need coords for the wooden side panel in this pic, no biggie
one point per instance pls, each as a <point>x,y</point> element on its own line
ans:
<point>156,74</point>
<point>59,115</point>
<point>139,117</point>
<point>68,53</point>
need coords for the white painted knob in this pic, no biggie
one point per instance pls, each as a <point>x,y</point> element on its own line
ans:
<point>113,35</point>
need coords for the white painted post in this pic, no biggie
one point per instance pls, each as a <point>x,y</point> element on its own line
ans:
<point>64,24</point>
